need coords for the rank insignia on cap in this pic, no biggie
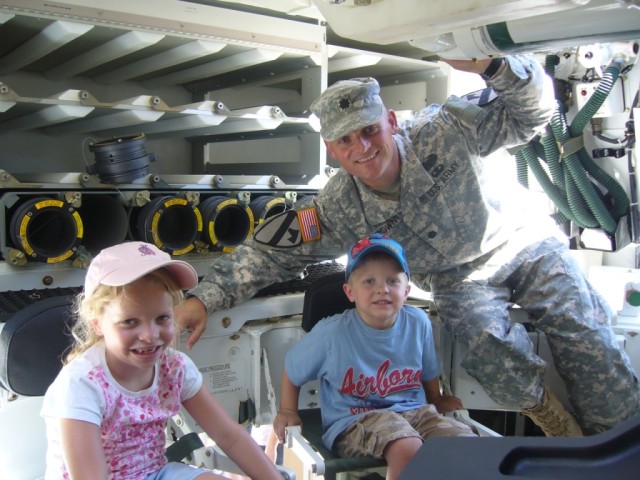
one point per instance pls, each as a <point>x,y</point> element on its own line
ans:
<point>289,229</point>
<point>344,103</point>
<point>481,97</point>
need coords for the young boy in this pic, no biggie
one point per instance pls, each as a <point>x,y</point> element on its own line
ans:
<point>377,366</point>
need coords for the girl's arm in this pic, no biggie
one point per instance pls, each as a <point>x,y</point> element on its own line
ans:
<point>82,450</point>
<point>271,448</point>
<point>234,440</point>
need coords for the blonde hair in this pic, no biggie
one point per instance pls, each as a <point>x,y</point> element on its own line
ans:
<point>88,309</point>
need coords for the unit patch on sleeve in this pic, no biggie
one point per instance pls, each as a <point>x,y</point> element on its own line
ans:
<point>481,97</point>
<point>289,229</point>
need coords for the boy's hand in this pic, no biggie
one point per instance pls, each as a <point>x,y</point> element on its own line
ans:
<point>448,403</point>
<point>285,418</point>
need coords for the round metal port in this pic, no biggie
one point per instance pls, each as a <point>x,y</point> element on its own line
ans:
<point>46,229</point>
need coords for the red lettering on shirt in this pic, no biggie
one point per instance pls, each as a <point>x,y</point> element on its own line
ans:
<point>357,410</point>
<point>384,382</point>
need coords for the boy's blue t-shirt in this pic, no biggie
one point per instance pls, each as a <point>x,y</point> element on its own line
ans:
<point>361,369</point>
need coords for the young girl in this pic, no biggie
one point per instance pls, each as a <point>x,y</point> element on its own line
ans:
<point>107,410</point>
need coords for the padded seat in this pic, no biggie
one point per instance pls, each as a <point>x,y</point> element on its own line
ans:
<point>33,343</point>
<point>333,464</point>
<point>323,298</point>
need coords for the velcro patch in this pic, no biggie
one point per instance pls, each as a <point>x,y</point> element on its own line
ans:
<point>309,224</point>
<point>289,229</point>
<point>481,97</point>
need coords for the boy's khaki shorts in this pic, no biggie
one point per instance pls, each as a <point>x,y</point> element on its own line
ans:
<point>370,434</point>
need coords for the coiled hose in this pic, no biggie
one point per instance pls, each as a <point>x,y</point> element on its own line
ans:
<point>571,189</point>
<point>529,157</point>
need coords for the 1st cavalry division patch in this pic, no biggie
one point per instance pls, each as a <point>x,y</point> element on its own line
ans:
<point>289,229</point>
<point>481,97</point>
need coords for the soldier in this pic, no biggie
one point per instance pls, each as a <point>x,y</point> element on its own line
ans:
<point>423,183</point>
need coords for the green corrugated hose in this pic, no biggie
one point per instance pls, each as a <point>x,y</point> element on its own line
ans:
<point>529,157</point>
<point>572,187</point>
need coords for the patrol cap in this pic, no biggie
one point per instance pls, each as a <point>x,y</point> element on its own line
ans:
<point>123,263</point>
<point>348,105</point>
<point>375,243</point>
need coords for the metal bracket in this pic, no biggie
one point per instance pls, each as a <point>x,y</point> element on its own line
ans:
<point>271,394</point>
<point>296,442</point>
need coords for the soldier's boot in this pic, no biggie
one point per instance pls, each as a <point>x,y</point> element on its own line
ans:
<point>551,416</point>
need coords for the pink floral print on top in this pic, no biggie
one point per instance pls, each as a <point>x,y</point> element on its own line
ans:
<point>133,424</point>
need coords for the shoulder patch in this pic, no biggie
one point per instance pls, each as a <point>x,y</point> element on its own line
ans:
<point>309,224</point>
<point>481,97</point>
<point>289,229</point>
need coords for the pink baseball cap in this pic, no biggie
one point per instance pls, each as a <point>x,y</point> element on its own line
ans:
<point>123,263</point>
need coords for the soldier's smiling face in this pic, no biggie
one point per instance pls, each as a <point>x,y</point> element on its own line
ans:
<point>370,153</point>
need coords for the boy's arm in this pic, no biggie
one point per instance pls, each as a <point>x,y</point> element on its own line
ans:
<point>443,403</point>
<point>288,412</point>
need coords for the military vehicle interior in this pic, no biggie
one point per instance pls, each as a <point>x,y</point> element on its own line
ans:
<point>204,105</point>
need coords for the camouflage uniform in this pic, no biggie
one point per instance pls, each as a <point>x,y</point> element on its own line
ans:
<point>463,244</point>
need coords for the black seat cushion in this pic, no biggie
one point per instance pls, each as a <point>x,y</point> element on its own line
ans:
<point>32,344</point>
<point>323,298</point>
<point>312,431</point>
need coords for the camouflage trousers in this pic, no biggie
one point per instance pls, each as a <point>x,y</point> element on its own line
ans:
<point>546,281</point>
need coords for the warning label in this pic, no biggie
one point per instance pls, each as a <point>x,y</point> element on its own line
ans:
<point>221,378</point>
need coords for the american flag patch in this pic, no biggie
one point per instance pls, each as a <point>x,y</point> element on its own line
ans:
<point>309,224</point>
